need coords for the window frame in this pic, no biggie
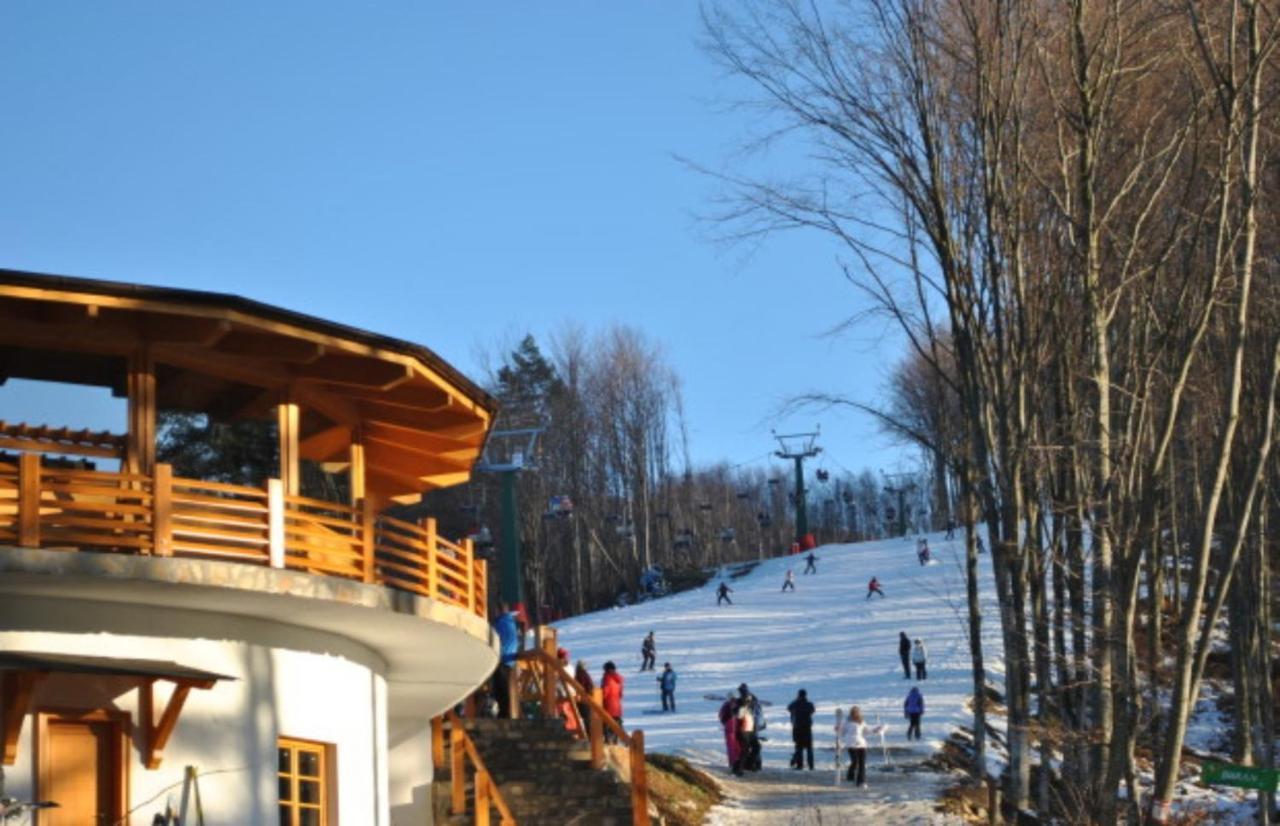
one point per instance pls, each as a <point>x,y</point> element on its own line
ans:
<point>326,777</point>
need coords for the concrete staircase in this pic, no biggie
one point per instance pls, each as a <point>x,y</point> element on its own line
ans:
<point>542,772</point>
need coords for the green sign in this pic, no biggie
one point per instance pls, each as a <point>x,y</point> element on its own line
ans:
<point>1245,777</point>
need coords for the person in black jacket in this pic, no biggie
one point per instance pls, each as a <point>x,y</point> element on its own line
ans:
<point>904,651</point>
<point>801,729</point>
<point>722,594</point>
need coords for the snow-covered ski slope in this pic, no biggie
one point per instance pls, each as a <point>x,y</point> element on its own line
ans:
<point>825,637</point>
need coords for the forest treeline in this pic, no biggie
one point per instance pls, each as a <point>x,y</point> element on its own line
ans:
<point>1068,209</point>
<point>613,442</point>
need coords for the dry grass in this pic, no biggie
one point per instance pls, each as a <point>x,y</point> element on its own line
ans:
<point>682,794</point>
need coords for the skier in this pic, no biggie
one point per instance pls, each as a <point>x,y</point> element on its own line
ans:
<point>873,587</point>
<point>801,729</point>
<point>790,581</point>
<point>729,722</point>
<point>611,688</point>
<point>748,739</point>
<point>648,653</point>
<point>507,627</point>
<point>809,566</point>
<point>923,551</point>
<point>918,657</point>
<point>853,738</point>
<point>668,684</point>
<point>982,546</point>
<point>904,653</point>
<point>722,594</point>
<point>951,528</point>
<point>912,709</point>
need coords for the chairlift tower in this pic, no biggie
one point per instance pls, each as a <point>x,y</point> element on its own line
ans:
<point>507,453</point>
<point>899,484</point>
<point>798,447</point>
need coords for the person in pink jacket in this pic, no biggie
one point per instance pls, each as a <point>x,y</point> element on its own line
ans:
<point>729,721</point>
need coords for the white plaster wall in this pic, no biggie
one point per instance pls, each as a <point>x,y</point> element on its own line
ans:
<point>411,771</point>
<point>290,681</point>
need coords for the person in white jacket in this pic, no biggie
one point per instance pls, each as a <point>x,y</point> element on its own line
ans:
<point>852,736</point>
<point>918,658</point>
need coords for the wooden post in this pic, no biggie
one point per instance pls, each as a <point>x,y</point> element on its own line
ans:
<point>140,384</point>
<point>596,727</point>
<point>639,781</point>
<point>29,500</point>
<point>162,511</point>
<point>468,555</point>
<point>457,768</point>
<point>275,523</point>
<point>355,473</point>
<point>437,742</point>
<point>287,416</point>
<point>513,691</point>
<point>482,799</point>
<point>368,520</point>
<point>993,803</point>
<point>429,562</point>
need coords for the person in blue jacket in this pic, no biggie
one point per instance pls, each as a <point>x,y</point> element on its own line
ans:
<point>507,627</point>
<point>668,683</point>
<point>913,709</point>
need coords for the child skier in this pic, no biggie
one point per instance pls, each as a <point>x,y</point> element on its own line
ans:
<point>873,587</point>
<point>918,658</point>
<point>912,709</point>
<point>790,581</point>
<point>809,566</point>
<point>722,594</point>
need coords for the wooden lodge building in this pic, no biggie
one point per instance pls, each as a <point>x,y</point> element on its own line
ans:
<point>292,649</point>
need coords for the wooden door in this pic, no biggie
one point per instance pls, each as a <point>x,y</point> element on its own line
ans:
<point>80,770</point>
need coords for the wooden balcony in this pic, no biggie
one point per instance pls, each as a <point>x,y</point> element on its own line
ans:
<point>165,516</point>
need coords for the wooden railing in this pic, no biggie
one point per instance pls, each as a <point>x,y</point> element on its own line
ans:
<point>541,676</point>
<point>161,515</point>
<point>485,793</point>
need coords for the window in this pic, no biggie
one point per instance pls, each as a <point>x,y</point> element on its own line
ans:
<point>304,771</point>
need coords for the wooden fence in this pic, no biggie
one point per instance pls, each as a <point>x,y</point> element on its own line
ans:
<point>162,515</point>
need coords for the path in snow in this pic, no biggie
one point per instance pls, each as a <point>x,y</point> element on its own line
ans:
<point>825,637</point>
<point>781,797</point>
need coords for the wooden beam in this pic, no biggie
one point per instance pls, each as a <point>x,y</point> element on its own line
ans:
<point>17,689</point>
<point>414,438</point>
<point>325,444</point>
<point>288,416</point>
<point>28,500</point>
<point>178,329</point>
<point>156,733</point>
<point>460,454</point>
<point>356,472</point>
<point>232,368</point>
<point>255,344</point>
<point>414,395</point>
<point>334,408</point>
<point>140,445</point>
<point>408,463</point>
<point>359,371</point>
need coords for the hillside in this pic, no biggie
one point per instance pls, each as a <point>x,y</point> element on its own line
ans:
<point>826,637</point>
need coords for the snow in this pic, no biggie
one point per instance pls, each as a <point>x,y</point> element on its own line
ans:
<point>826,637</point>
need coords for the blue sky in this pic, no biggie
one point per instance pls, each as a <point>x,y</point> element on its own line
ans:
<point>451,173</point>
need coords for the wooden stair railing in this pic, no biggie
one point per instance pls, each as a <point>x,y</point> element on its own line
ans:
<point>541,672</point>
<point>485,792</point>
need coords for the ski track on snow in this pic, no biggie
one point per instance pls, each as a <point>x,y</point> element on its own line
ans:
<point>824,637</point>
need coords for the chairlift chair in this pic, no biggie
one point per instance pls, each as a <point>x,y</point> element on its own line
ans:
<point>705,506</point>
<point>726,534</point>
<point>823,474</point>
<point>774,480</point>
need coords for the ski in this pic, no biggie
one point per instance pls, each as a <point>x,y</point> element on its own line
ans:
<point>839,716</point>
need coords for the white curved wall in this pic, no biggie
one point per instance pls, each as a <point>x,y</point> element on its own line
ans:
<point>289,682</point>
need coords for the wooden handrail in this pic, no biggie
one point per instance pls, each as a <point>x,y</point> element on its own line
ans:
<point>634,742</point>
<point>159,514</point>
<point>485,791</point>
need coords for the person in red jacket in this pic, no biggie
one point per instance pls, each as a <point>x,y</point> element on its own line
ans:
<point>611,688</point>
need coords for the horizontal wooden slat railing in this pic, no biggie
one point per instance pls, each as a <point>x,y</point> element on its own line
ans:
<point>551,683</point>
<point>163,515</point>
